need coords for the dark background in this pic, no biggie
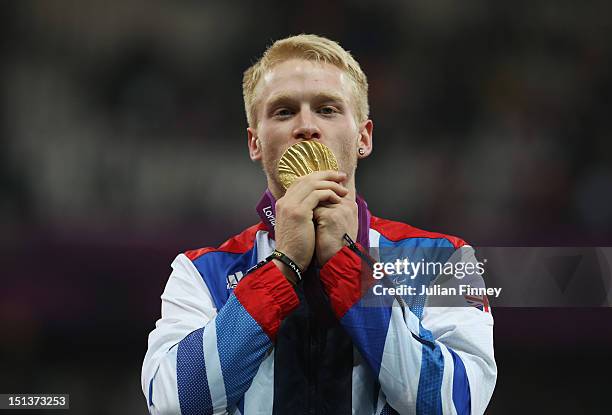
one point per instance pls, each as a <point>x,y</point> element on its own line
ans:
<point>123,143</point>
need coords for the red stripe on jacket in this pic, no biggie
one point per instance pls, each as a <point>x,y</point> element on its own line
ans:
<point>343,280</point>
<point>396,231</point>
<point>238,244</point>
<point>268,297</point>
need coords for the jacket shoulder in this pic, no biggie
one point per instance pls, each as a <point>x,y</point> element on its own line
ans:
<point>237,244</point>
<point>397,231</point>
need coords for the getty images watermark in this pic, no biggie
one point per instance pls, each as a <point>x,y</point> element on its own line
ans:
<point>431,278</point>
<point>530,276</point>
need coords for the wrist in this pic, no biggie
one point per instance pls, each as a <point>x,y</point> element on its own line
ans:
<point>291,267</point>
<point>327,255</point>
<point>286,271</point>
<point>294,254</point>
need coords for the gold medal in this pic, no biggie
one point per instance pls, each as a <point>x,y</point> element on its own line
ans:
<point>303,158</point>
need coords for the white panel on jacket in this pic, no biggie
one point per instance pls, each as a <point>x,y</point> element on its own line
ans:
<point>186,306</point>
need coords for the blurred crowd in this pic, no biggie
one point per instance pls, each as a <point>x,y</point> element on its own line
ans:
<point>124,142</point>
<point>490,121</point>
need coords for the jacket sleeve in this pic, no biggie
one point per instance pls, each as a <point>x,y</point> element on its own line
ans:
<point>202,360</point>
<point>440,362</point>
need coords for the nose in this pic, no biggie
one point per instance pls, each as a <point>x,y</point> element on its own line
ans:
<point>306,127</point>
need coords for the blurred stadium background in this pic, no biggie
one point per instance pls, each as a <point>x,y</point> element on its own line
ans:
<point>123,143</point>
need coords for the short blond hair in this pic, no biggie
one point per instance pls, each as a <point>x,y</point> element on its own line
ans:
<point>308,47</point>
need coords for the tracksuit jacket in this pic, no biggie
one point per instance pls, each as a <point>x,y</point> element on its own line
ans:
<point>238,343</point>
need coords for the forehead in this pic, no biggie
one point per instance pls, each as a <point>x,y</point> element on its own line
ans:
<point>302,77</point>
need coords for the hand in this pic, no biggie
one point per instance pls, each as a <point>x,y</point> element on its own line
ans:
<point>332,222</point>
<point>295,230</point>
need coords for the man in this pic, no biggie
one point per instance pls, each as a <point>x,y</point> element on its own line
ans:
<point>246,332</point>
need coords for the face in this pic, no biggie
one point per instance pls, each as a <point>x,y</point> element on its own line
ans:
<point>304,100</point>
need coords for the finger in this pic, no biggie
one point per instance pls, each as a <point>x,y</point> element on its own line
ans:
<point>318,212</point>
<point>339,189</point>
<point>317,197</point>
<point>302,189</point>
<point>341,207</point>
<point>326,175</point>
<point>337,176</point>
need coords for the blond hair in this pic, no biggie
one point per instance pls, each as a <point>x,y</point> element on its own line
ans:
<point>308,47</point>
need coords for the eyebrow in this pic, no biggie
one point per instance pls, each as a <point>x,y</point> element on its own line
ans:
<point>322,96</point>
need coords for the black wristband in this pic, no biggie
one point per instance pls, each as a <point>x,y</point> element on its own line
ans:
<point>287,261</point>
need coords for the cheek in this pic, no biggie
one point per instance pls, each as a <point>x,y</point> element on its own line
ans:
<point>349,137</point>
<point>273,137</point>
<point>276,137</point>
<point>271,152</point>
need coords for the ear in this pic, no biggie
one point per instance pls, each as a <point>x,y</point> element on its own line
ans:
<point>365,139</point>
<point>254,144</point>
